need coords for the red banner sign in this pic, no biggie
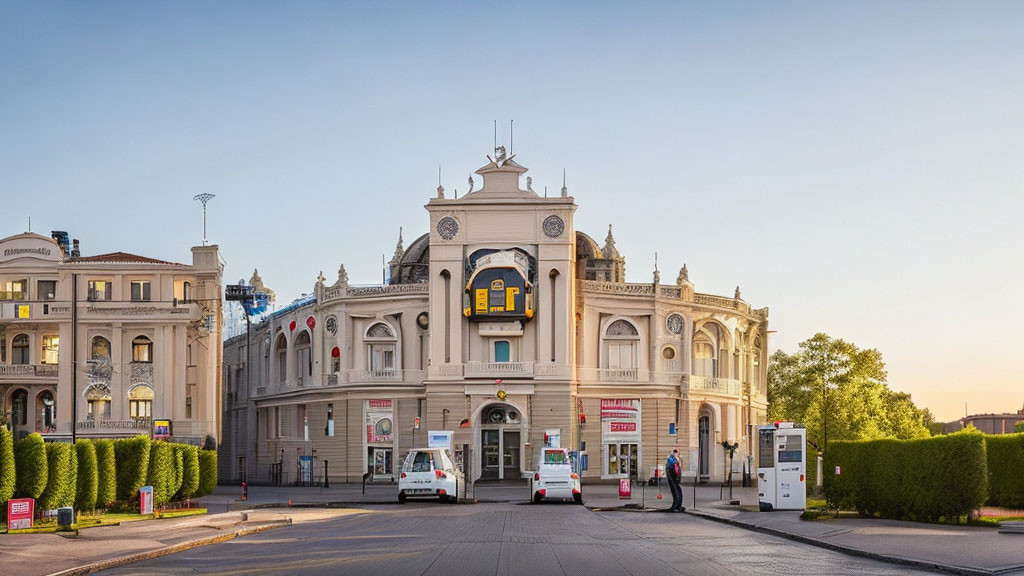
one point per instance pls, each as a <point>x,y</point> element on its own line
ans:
<point>622,426</point>
<point>19,513</point>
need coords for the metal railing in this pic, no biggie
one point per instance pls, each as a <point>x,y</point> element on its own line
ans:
<point>133,424</point>
<point>382,375</point>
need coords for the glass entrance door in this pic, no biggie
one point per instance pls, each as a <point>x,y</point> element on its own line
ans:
<point>382,462</point>
<point>510,455</point>
<point>623,459</point>
<point>704,436</point>
<point>490,454</point>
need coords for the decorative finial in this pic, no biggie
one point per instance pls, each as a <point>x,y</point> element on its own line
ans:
<point>565,191</point>
<point>342,276</point>
<point>399,250</point>
<point>320,280</point>
<point>440,188</point>
<point>737,295</point>
<point>657,273</point>
<point>500,156</point>
<point>545,190</point>
<point>471,184</point>
<point>684,276</point>
<point>529,184</point>
<point>609,250</point>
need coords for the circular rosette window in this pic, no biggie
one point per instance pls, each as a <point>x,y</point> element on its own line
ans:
<point>384,427</point>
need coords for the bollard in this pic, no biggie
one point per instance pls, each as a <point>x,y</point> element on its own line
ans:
<point>245,492</point>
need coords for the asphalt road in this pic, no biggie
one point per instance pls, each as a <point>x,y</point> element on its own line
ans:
<point>531,540</point>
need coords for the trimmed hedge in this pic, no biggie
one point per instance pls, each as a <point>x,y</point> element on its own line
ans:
<point>106,472</point>
<point>132,457</point>
<point>62,482</point>
<point>179,465</point>
<point>7,475</point>
<point>207,473</point>
<point>30,466</point>
<point>1005,470</point>
<point>189,472</point>
<point>934,479</point>
<point>161,472</point>
<point>88,477</point>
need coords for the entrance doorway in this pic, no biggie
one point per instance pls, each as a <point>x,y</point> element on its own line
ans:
<point>704,436</point>
<point>500,443</point>
<point>381,463</point>
<point>623,459</point>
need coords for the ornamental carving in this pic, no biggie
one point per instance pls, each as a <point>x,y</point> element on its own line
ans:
<point>447,227</point>
<point>553,226</point>
<point>100,370</point>
<point>674,324</point>
<point>331,324</point>
<point>140,372</point>
<point>621,328</point>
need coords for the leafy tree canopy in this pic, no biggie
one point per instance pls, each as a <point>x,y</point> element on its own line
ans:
<point>847,385</point>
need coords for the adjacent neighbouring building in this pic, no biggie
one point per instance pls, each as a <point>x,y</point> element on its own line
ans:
<point>145,334</point>
<point>507,326</point>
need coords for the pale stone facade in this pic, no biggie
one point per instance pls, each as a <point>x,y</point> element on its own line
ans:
<point>146,335</point>
<point>505,325</point>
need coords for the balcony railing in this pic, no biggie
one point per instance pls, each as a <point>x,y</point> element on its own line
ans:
<point>617,374</point>
<point>499,369</point>
<point>713,384</point>
<point>41,370</point>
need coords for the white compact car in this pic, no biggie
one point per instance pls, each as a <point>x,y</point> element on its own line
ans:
<point>554,478</point>
<point>429,472</point>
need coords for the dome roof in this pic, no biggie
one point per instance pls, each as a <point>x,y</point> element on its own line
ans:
<point>415,264</point>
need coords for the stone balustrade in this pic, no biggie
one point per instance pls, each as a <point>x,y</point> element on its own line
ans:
<point>617,374</point>
<point>40,370</point>
<point>499,369</point>
<point>718,385</point>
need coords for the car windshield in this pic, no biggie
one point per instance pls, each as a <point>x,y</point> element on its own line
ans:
<point>554,457</point>
<point>421,463</point>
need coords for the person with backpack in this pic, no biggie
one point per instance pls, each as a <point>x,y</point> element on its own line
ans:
<point>674,473</point>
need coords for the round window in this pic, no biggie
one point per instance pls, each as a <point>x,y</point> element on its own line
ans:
<point>668,352</point>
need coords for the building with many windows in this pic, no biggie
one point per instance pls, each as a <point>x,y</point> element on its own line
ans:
<point>512,329</point>
<point>122,338</point>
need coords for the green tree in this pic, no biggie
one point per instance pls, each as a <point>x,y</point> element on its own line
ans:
<point>6,465</point>
<point>88,478</point>
<point>1018,427</point>
<point>835,388</point>
<point>30,466</point>
<point>62,481</point>
<point>106,472</point>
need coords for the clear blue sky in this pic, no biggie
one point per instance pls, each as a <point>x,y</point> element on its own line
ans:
<point>857,167</point>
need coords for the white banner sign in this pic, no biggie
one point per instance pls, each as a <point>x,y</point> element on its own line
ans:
<point>620,420</point>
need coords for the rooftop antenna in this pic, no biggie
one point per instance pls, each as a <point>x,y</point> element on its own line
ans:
<point>565,191</point>
<point>511,134</point>
<point>204,198</point>
<point>495,135</point>
<point>29,223</point>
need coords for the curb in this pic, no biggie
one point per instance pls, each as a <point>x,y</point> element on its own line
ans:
<point>166,550</point>
<point>850,551</point>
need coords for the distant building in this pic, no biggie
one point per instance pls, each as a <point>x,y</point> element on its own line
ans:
<point>146,335</point>
<point>994,423</point>
<point>512,329</point>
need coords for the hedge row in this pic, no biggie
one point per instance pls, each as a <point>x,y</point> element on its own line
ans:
<point>1005,470</point>
<point>94,474</point>
<point>934,479</point>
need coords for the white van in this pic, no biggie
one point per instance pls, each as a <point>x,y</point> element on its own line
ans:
<point>429,472</point>
<point>554,478</point>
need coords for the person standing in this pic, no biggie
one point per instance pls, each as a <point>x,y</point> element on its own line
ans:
<point>673,471</point>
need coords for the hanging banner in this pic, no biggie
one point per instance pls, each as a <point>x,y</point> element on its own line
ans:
<point>379,421</point>
<point>620,420</point>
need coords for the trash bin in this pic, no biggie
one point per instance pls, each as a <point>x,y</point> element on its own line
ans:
<point>65,517</point>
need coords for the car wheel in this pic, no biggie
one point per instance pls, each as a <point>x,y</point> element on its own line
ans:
<point>401,497</point>
<point>577,498</point>
<point>537,498</point>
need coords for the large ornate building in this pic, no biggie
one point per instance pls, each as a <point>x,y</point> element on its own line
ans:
<point>510,328</point>
<point>124,338</point>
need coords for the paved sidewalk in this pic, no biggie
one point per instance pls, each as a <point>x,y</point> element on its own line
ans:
<point>957,549</point>
<point>38,554</point>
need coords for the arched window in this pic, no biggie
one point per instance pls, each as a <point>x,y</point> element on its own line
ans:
<point>380,347</point>
<point>19,407</point>
<point>622,343</point>
<point>140,402</point>
<point>98,399</point>
<point>142,349</point>
<point>281,354</point>
<point>303,356</point>
<point>19,349</point>
<point>50,349</point>
<point>704,358</point>
<point>100,348</point>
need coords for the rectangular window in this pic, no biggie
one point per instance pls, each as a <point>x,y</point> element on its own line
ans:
<point>502,351</point>
<point>13,290</point>
<point>50,347</point>
<point>140,290</point>
<point>382,357</point>
<point>99,290</point>
<point>47,289</point>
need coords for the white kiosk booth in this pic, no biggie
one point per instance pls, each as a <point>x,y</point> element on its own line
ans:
<point>781,473</point>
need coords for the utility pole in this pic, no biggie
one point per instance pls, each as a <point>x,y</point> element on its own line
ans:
<point>74,357</point>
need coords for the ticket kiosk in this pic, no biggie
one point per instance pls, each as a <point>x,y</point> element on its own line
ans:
<point>781,473</point>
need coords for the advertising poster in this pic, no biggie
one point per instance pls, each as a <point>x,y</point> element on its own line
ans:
<point>379,421</point>
<point>19,513</point>
<point>146,500</point>
<point>620,420</point>
<point>161,429</point>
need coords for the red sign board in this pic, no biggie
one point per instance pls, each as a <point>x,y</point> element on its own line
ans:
<point>622,426</point>
<point>19,513</point>
<point>625,489</point>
